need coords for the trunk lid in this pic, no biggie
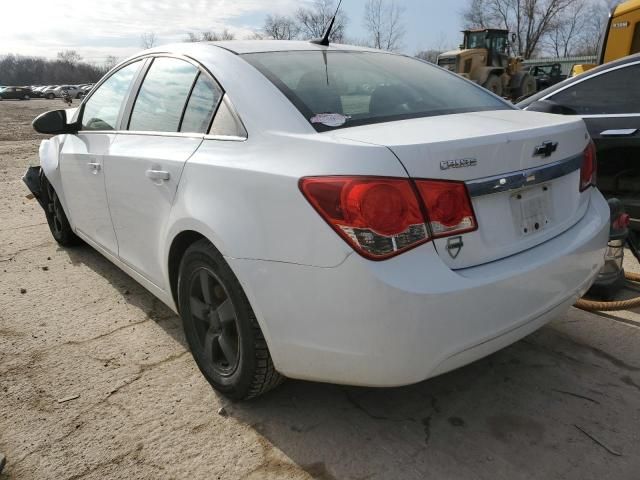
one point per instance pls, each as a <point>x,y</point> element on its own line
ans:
<point>520,199</point>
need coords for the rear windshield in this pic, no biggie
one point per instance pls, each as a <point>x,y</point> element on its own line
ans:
<point>335,89</point>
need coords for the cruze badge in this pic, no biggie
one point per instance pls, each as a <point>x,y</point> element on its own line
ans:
<point>454,246</point>
<point>462,163</point>
<point>545,150</point>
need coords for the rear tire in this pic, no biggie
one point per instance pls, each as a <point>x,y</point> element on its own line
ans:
<point>493,84</point>
<point>56,218</point>
<point>221,328</point>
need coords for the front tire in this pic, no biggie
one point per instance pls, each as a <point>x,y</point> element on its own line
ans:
<point>493,84</point>
<point>221,328</point>
<point>56,218</point>
<point>526,88</point>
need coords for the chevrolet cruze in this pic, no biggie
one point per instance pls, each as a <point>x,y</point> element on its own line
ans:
<point>336,214</point>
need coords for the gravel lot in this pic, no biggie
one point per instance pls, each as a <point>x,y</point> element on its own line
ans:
<point>564,403</point>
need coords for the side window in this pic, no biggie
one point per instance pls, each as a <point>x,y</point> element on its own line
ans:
<point>204,99</point>
<point>162,96</point>
<point>226,123</point>
<point>593,96</point>
<point>102,109</point>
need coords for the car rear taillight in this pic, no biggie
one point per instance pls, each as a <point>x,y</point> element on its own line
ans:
<point>381,217</point>
<point>589,167</point>
<point>378,217</point>
<point>448,207</point>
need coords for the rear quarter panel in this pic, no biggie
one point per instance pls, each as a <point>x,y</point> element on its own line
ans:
<point>244,196</point>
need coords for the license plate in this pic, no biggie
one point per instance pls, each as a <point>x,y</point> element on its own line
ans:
<point>532,209</point>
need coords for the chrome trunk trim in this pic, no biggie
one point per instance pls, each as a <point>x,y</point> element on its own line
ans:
<point>523,178</point>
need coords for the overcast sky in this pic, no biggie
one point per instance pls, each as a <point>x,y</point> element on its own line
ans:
<point>97,28</point>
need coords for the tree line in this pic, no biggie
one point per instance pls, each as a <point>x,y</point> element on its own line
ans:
<point>67,68</point>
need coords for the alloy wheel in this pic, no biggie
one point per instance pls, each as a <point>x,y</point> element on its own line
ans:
<point>215,322</point>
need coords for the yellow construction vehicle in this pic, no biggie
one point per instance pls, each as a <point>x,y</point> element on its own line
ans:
<point>484,58</point>
<point>620,38</point>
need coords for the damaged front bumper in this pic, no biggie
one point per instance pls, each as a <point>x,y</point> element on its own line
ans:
<point>33,182</point>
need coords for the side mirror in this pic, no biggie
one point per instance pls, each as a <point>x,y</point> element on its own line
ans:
<point>549,106</point>
<point>53,123</point>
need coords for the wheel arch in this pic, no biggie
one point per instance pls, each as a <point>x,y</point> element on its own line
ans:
<point>179,244</point>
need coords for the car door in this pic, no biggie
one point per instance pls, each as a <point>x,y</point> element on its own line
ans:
<point>82,158</point>
<point>168,120</point>
<point>609,103</point>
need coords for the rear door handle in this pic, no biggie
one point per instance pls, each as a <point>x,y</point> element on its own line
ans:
<point>622,132</point>
<point>95,166</point>
<point>158,174</point>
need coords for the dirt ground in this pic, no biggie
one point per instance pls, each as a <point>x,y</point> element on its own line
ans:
<point>96,382</point>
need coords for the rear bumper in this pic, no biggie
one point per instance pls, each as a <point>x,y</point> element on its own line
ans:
<point>406,319</point>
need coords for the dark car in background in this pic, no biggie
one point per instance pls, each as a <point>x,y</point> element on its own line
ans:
<point>15,93</point>
<point>607,98</point>
<point>547,75</point>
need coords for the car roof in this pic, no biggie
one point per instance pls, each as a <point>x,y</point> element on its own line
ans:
<point>258,46</point>
<point>569,81</point>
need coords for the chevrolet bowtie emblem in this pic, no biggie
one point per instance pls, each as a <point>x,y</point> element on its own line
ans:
<point>546,149</point>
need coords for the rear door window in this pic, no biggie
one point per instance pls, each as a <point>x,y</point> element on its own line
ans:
<point>163,96</point>
<point>204,99</point>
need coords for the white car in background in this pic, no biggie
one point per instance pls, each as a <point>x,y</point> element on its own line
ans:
<point>337,214</point>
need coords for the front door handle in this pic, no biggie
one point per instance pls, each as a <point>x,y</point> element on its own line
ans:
<point>621,132</point>
<point>94,166</point>
<point>158,174</point>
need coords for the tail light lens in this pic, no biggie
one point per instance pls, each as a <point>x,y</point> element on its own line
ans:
<point>378,217</point>
<point>448,207</point>
<point>589,167</point>
<point>382,217</point>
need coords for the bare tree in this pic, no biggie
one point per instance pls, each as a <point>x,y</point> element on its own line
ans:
<point>530,20</point>
<point>314,20</point>
<point>255,35</point>
<point>110,62</point>
<point>578,30</point>
<point>431,54</point>
<point>210,36</point>
<point>383,21</point>
<point>280,27</point>
<point>69,56</point>
<point>596,20</point>
<point>148,40</point>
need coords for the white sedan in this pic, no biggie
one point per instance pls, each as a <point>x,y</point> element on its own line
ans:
<point>336,214</point>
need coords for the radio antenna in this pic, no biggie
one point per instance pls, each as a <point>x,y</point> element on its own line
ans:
<point>324,41</point>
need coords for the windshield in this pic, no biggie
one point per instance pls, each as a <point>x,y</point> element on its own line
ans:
<point>477,40</point>
<point>335,89</point>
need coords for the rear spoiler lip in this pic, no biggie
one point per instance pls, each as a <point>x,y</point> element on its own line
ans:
<point>31,179</point>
